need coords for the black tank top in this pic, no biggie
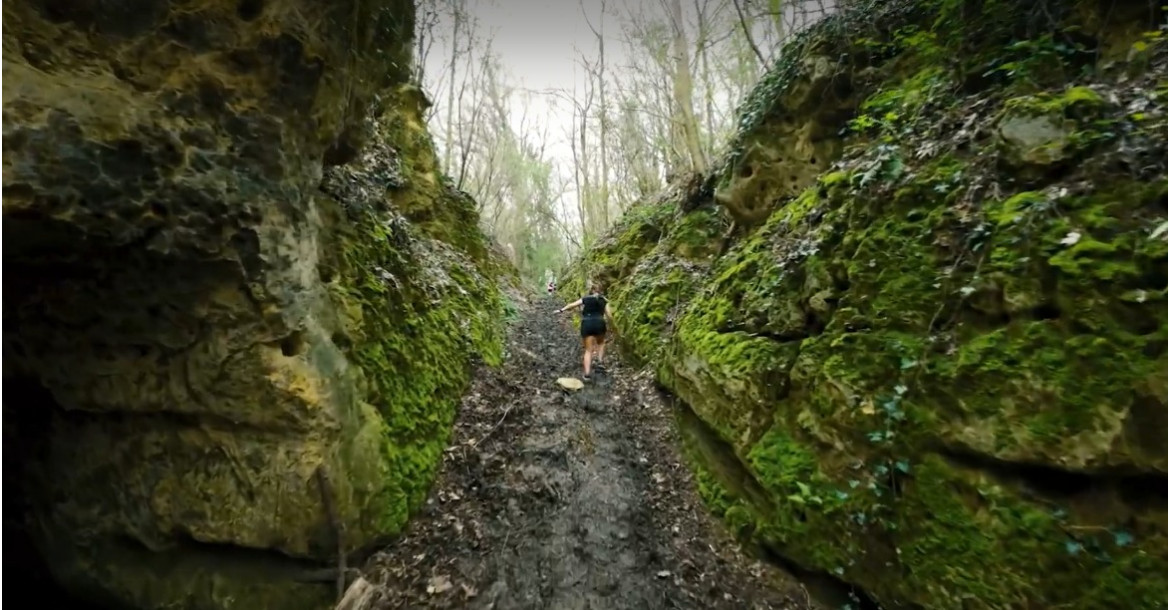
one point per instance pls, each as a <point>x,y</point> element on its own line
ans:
<point>592,306</point>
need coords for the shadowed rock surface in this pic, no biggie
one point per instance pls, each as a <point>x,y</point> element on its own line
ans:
<point>206,318</point>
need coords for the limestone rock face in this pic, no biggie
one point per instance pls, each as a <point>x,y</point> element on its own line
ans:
<point>216,334</point>
<point>933,365</point>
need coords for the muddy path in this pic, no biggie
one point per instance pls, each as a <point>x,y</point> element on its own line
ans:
<point>552,499</point>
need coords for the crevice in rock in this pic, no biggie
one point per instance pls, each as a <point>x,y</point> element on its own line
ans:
<point>830,591</point>
<point>721,460</point>
<point>294,344</point>
<point>249,10</point>
<point>28,410</point>
<point>778,337</point>
<point>1055,484</point>
<point>265,564</point>
<point>719,457</point>
<point>179,421</point>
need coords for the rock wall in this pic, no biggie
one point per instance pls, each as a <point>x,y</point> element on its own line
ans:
<point>920,308</point>
<point>241,301</point>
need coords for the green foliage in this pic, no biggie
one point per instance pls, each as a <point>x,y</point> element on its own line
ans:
<point>892,111</point>
<point>1035,63</point>
<point>421,309</point>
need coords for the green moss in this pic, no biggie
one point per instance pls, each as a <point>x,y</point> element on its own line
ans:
<point>900,103</point>
<point>730,374</point>
<point>424,308</point>
<point>836,178</point>
<point>1071,99</point>
<point>644,307</point>
<point>967,518</point>
<point>425,196</point>
<point>696,235</point>
<point>1039,393</point>
<point>781,464</point>
<point>613,256</point>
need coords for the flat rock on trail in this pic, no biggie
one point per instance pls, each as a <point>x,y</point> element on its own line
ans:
<point>549,498</point>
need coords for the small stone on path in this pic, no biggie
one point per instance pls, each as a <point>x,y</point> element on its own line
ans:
<point>570,383</point>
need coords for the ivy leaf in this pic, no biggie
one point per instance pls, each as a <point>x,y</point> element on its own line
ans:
<point>804,489</point>
<point>853,484</point>
<point>875,436</point>
<point>1072,547</point>
<point>1121,538</point>
<point>902,466</point>
<point>795,499</point>
<point>900,389</point>
<point>908,363</point>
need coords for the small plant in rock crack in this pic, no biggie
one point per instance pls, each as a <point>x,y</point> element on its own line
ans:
<point>886,469</point>
<point>886,165</point>
<point>1092,541</point>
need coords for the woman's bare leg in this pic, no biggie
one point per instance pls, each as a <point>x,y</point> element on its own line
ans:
<point>589,343</point>
<point>601,349</point>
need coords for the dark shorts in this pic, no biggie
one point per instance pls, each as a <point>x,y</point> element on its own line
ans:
<point>592,327</point>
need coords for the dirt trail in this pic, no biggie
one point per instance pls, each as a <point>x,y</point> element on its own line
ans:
<point>550,499</point>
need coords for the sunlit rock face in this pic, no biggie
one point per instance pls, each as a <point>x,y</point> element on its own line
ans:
<point>919,320</point>
<point>239,299</point>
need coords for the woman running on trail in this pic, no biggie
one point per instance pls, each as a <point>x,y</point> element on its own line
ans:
<point>594,312</point>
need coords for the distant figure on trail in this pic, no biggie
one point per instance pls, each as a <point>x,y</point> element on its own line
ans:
<point>594,312</point>
<point>552,287</point>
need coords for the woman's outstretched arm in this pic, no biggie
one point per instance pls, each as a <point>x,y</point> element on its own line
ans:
<point>576,303</point>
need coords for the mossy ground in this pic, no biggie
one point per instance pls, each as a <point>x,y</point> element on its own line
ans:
<point>906,356</point>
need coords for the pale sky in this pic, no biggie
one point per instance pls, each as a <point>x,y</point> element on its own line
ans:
<point>536,42</point>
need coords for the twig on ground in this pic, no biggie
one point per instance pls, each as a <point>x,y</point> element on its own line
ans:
<point>493,428</point>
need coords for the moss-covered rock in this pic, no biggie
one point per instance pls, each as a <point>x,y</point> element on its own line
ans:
<point>243,300</point>
<point>936,368</point>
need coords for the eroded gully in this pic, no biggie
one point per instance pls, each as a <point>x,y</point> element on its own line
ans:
<point>567,500</point>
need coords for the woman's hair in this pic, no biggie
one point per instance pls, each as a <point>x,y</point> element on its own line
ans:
<point>595,286</point>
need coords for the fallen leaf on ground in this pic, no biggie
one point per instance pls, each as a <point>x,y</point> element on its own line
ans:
<point>438,584</point>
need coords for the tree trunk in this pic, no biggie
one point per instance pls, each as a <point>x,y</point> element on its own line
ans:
<point>683,89</point>
<point>457,17</point>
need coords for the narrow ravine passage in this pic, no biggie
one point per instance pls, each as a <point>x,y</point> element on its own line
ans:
<point>550,499</point>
